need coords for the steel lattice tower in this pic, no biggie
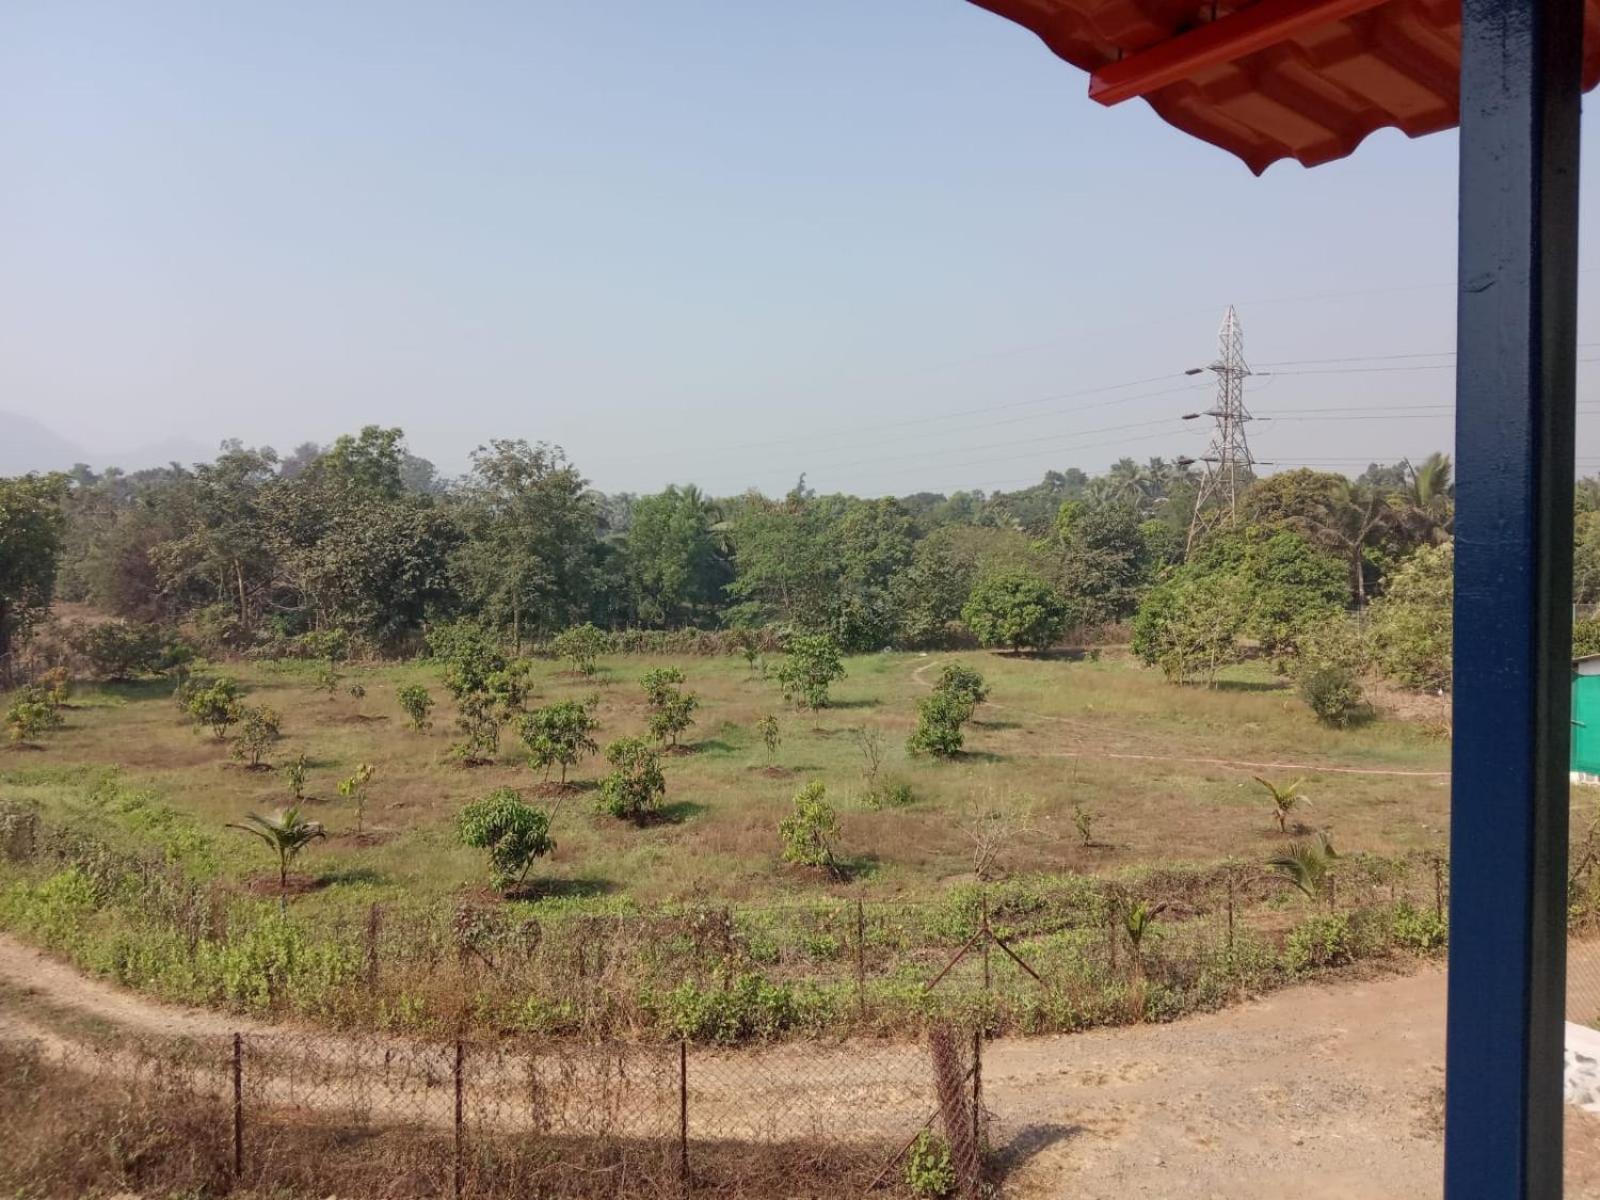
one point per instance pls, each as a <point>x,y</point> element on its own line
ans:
<point>1227,460</point>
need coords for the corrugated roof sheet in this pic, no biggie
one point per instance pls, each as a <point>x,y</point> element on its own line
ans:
<point>1312,97</point>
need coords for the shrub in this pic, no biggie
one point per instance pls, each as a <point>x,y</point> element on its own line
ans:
<point>355,788</point>
<point>661,684</point>
<point>258,733</point>
<point>810,666</point>
<point>808,833</point>
<point>1190,625</point>
<point>636,786</point>
<point>485,707</point>
<point>962,681</point>
<point>929,1171</point>
<point>1585,636</point>
<point>326,679</point>
<point>120,651</point>
<point>213,703</point>
<point>673,717</point>
<point>1333,694</point>
<point>1324,940</point>
<point>1015,609</point>
<point>31,715</point>
<point>416,702</point>
<point>513,833</point>
<point>581,646</point>
<point>558,735</point>
<point>1418,929</point>
<point>297,776</point>
<point>1411,621</point>
<point>939,721</point>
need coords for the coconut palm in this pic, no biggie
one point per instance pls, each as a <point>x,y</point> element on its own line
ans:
<point>1430,499</point>
<point>287,834</point>
<point>1284,800</point>
<point>1305,865</point>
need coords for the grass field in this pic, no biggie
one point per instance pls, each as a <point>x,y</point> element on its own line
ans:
<point>1105,734</point>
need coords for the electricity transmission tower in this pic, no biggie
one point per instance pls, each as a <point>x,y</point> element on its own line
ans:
<point>1227,459</point>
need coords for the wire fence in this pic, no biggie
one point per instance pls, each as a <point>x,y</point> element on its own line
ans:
<point>319,1112</point>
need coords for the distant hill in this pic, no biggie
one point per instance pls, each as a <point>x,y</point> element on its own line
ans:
<point>27,445</point>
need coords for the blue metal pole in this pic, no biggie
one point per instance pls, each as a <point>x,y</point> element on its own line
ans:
<point>1517,300</point>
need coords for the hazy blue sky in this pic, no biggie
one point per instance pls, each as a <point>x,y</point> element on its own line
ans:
<point>707,240</point>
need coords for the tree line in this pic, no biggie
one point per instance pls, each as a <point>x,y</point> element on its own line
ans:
<point>364,539</point>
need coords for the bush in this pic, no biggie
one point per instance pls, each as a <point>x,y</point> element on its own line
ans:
<point>416,702</point>
<point>661,684</point>
<point>811,664</point>
<point>1411,622</point>
<point>213,703</point>
<point>808,833</point>
<point>673,717</point>
<point>1334,695</point>
<point>31,715</point>
<point>514,834</point>
<point>118,651</point>
<point>1015,609</point>
<point>581,646</point>
<point>1419,929</point>
<point>939,721</point>
<point>636,786</point>
<point>1325,940</point>
<point>962,681</point>
<point>558,735</point>
<point>929,1171</point>
<point>258,733</point>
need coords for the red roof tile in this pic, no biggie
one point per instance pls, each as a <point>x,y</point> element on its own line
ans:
<point>1313,96</point>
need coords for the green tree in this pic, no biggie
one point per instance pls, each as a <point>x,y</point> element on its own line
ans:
<point>661,684</point>
<point>259,731</point>
<point>581,646</point>
<point>957,679</point>
<point>1190,626</point>
<point>810,832</point>
<point>514,834</point>
<point>1411,622</point>
<point>32,713</point>
<point>811,665</point>
<point>1015,609</point>
<point>417,704</point>
<point>354,788</point>
<point>676,568</point>
<point>558,735</point>
<point>636,785</point>
<point>786,562</point>
<point>119,651</point>
<point>673,717</point>
<point>771,734</point>
<point>286,834</point>
<point>213,703</point>
<point>531,524</point>
<point>940,717</point>
<point>1284,800</point>
<point>32,526</point>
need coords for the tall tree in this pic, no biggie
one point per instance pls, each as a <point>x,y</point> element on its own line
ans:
<point>675,569</point>
<point>531,524</point>
<point>31,529</point>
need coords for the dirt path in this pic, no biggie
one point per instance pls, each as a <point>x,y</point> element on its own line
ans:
<point>1322,1091</point>
<point>1085,729</point>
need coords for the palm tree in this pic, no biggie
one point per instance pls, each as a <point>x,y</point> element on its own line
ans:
<point>1430,498</point>
<point>1283,800</point>
<point>1305,865</point>
<point>287,834</point>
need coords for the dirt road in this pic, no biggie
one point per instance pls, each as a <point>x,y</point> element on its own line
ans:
<point>1328,1090</point>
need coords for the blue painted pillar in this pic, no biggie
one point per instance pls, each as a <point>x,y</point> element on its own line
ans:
<point>1517,300</point>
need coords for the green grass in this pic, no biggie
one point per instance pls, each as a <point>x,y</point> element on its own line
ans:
<point>1056,732</point>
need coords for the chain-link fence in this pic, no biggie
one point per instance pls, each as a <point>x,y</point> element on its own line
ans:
<point>321,1113</point>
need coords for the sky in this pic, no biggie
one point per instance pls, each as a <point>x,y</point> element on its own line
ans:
<point>892,246</point>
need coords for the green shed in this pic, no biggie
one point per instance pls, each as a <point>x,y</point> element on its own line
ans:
<point>1586,717</point>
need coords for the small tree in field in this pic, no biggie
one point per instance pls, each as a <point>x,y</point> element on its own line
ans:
<point>258,733</point>
<point>939,721</point>
<point>636,785</point>
<point>355,788</point>
<point>31,715</point>
<point>660,684</point>
<point>964,682</point>
<point>327,678</point>
<point>771,734</point>
<point>1015,609</point>
<point>673,717</point>
<point>809,832</point>
<point>297,777</point>
<point>581,646</point>
<point>286,835</point>
<point>811,664</point>
<point>214,704</point>
<point>416,702</point>
<point>558,735</point>
<point>514,834</point>
<point>1284,800</point>
<point>1306,865</point>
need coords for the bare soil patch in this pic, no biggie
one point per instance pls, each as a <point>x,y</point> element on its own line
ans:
<point>267,884</point>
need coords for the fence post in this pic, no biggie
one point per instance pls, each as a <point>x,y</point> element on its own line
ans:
<point>983,900</point>
<point>683,1114</point>
<point>861,958</point>
<point>374,928</point>
<point>461,1054</point>
<point>977,1088</point>
<point>1438,888</point>
<point>1230,914</point>
<point>238,1105</point>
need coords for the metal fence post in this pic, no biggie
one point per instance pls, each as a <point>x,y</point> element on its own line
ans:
<point>683,1115</point>
<point>238,1105</point>
<point>977,1088</point>
<point>461,1054</point>
<point>861,958</point>
<point>983,900</point>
